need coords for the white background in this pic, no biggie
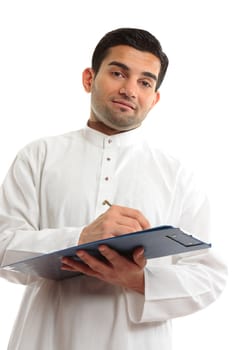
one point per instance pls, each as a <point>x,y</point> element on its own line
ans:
<point>44,47</point>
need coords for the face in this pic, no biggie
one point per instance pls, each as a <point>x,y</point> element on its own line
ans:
<point>123,90</point>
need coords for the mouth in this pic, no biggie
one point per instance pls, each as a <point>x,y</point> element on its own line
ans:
<point>124,104</point>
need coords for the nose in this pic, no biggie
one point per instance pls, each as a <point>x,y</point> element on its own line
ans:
<point>128,90</point>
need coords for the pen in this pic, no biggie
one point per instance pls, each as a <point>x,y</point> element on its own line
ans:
<point>107,202</point>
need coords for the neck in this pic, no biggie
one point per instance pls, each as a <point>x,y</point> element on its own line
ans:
<point>93,124</point>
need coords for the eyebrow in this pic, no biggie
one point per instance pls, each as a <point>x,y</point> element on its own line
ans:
<point>123,66</point>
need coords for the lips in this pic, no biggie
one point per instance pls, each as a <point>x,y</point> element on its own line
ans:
<point>124,103</point>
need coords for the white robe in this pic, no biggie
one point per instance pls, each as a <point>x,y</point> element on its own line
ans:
<point>53,189</point>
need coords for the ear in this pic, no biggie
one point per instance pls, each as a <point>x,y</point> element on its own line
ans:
<point>87,78</point>
<point>155,99</point>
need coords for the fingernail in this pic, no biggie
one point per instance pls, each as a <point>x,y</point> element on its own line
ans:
<point>141,252</point>
<point>80,254</point>
<point>101,249</point>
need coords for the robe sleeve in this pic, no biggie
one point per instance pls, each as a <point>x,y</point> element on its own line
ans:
<point>21,236</point>
<point>183,284</point>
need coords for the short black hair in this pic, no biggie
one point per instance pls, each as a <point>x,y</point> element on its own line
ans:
<point>137,38</point>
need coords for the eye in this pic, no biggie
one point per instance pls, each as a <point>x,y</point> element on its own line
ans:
<point>117,74</point>
<point>146,84</point>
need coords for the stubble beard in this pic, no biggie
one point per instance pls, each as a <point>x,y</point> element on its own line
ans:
<point>120,120</point>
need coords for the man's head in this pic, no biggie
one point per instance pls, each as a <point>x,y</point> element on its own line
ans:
<point>128,66</point>
<point>139,39</point>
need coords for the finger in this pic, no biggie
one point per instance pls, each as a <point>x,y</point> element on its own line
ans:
<point>116,222</point>
<point>139,257</point>
<point>114,258</point>
<point>136,215</point>
<point>128,224</point>
<point>110,229</point>
<point>117,261</point>
<point>93,263</point>
<point>126,220</point>
<point>73,265</point>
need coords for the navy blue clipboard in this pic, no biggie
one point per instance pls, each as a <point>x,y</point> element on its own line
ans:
<point>157,242</point>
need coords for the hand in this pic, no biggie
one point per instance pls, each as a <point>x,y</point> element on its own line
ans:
<point>115,221</point>
<point>118,270</point>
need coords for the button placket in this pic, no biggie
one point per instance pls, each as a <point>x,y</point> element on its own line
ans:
<point>106,175</point>
<point>107,164</point>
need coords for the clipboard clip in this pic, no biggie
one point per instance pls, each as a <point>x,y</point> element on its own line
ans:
<point>184,239</point>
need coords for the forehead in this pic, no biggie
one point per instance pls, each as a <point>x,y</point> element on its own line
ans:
<point>135,60</point>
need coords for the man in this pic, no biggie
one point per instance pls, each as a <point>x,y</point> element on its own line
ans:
<point>53,197</point>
